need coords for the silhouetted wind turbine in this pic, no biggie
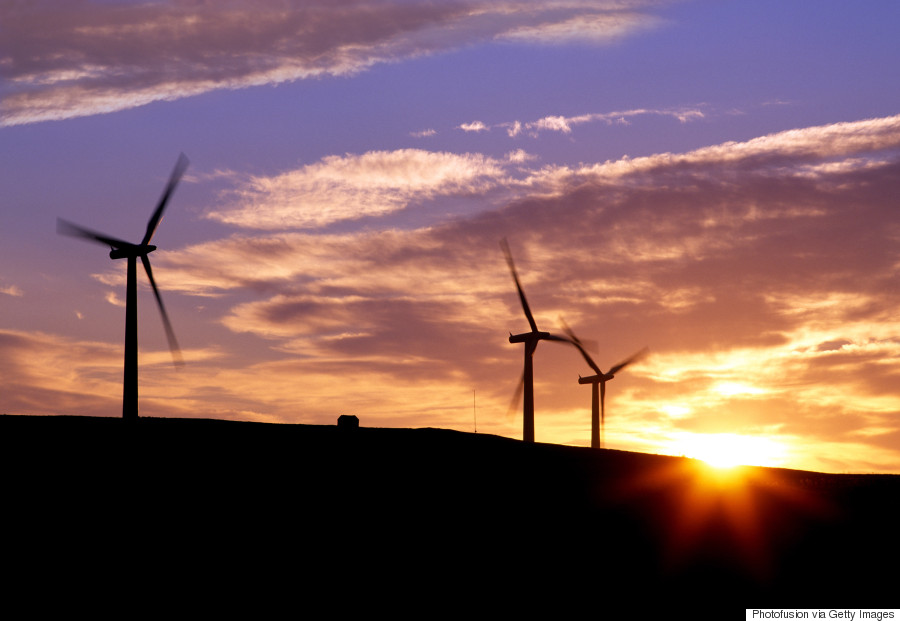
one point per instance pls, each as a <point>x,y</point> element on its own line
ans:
<point>530,339</point>
<point>598,396</point>
<point>126,250</point>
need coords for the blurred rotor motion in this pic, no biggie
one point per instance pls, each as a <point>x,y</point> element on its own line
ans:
<point>126,250</point>
<point>530,339</point>
<point>598,396</point>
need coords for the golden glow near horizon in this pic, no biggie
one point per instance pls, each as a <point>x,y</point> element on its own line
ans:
<point>725,450</point>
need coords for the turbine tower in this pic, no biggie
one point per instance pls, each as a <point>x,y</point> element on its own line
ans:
<point>598,387</point>
<point>530,339</point>
<point>125,250</point>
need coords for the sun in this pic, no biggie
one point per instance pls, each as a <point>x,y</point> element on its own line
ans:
<point>726,450</point>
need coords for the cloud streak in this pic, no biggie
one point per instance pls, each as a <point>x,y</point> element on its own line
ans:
<point>591,28</point>
<point>64,59</point>
<point>565,124</point>
<point>351,187</point>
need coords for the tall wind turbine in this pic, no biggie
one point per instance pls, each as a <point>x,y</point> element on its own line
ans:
<point>598,395</point>
<point>530,339</point>
<point>125,250</point>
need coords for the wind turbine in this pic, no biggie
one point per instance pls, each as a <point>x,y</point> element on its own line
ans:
<point>126,250</point>
<point>598,395</point>
<point>530,339</point>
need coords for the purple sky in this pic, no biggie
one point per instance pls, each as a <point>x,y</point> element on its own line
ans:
<point>717,181</point>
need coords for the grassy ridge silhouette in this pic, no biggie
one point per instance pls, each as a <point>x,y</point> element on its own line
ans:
<point>429,514</point>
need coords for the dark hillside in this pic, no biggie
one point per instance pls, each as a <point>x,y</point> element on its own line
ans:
<point>248,514</point>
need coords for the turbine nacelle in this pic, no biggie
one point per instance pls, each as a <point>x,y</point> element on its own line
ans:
<point>593,379</point>
<point>528,337</point>
<point>131,251</point>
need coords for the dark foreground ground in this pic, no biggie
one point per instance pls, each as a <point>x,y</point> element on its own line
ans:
<point>192,516</point>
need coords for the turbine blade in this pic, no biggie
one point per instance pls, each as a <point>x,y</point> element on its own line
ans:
<point>568,330</point>
<point>588,345</point>
<point>626,362</point>
<point>170,334</point>
<point>64,227</point>
<point>577,343</point>
<point>514,404</point>
<point>512,268</point>
<point>180,166</point>
<point>556,337</point>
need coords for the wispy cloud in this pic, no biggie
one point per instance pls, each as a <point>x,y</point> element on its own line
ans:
<point>425,133</point>
<point>564,124</point>
<point>474,126</point>
<point>38,369</point>
<point>63,59</point>
<point>114,299</point>
<point>591,28</point>
<point>816,153</point>
<point>356,186</point>
<point>12,290</point>
<point>43,373</point>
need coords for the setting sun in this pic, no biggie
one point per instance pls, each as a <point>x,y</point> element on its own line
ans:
<point>725,450</point>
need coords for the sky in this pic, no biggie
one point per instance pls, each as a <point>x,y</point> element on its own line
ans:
<point>716,181</point>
